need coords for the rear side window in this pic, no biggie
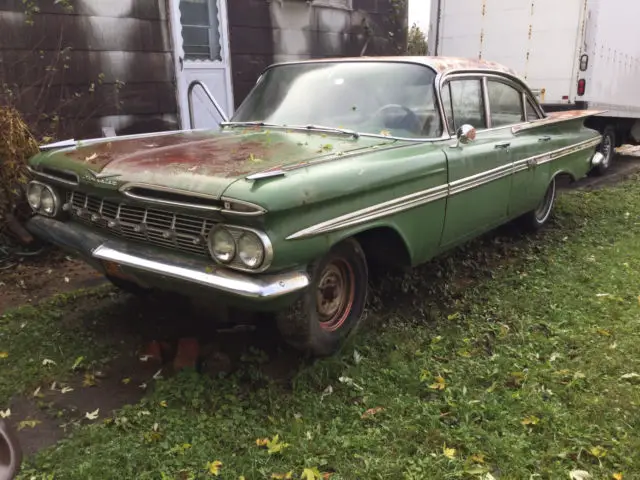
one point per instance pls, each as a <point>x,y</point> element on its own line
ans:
<point>505,103</point>
<point>464,104</point>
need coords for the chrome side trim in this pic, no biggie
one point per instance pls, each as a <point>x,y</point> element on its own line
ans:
<point>257,209</point>
<point>376,211</point>
<point>437,193</point>
<point>57,179</point>
<point>251,287</point>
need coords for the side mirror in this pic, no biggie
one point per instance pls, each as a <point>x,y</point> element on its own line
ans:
<point>10,452</point>
<point>465,134</point>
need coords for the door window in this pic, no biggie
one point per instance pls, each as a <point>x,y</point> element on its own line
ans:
<point>463,104</point>
<point>505,104</point>
<point>200,29</point>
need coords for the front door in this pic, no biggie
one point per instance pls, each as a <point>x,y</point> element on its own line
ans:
<point>201,50</point>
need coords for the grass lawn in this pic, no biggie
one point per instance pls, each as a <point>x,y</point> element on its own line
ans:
<point>514,358</point>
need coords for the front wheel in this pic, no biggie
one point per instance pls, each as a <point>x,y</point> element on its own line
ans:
<point>330,310</point>
<point>536,219</point>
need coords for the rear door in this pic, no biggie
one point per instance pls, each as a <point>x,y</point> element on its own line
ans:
<point>479,172</point>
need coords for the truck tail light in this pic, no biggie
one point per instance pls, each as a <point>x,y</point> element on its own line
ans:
<point>582,87</point>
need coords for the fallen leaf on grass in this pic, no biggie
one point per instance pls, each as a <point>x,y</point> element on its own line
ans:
<point>598,452</point>
<point>28,424</point>
<point>311,474</point>
<point>6,413</point>
<point>273,445</point>
<point>531,420</point>
<point>371,412</point>
<point>48,361</point>
<point>163,403</point>
<point>477,458</point>
<point>92,415</point>
<point>579,475</point>
<point>4,354</point>
<point>440,384</point>
<point>604,332</point>
<point>617,476</point>
<point>448,452</point>
<point>214,467</point>
<point>350,382</point>
<point>629,376</point>
<point>66,390</point>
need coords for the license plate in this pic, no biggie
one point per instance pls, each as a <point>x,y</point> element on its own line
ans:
<point>114,270</point>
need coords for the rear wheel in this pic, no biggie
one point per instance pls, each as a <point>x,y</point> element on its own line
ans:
<point>608,149</point>
<point>330,310</point>
<point>536,219</point>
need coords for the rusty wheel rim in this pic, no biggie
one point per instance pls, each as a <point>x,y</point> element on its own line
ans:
<point>335,295</point>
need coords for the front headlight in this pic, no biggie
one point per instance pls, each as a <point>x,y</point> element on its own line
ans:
<point>43,199</point>
<point>250,250</point>
<point>34,195</point>
<point>222,245</point>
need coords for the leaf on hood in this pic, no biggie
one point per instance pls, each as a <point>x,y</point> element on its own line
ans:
<point>91,157</point>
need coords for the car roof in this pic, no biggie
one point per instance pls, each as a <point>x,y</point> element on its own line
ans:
<point>442,65</point>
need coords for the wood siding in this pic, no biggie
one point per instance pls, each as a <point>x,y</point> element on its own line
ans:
<point>105,64</point>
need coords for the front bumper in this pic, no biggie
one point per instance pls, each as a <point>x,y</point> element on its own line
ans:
<point>155,267</point>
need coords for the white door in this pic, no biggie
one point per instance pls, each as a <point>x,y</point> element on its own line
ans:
<point>201,50</point>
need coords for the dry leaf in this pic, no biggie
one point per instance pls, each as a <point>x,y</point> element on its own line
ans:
<point>4,354</point>
<point>48,361</point>
<point>214,467</point>
<point>448,452</point>
<point>617,476</point>
<point>66,390</point>
<point>531,420</point>
<point>93,415</point>
<point>439,385</point>
<point>579,475</point>
<point>89,380</point>
<point>598,452</point>
<point>91,157</point>
<point>126,381</point>
<point>372,411</point>
<point>163,403</point>
<point>6,413</point>
<point>28,424</point>
<point>311,474</point>
<point>478,458</point>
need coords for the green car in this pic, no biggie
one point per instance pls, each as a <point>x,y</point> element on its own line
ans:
<point>328,167</point>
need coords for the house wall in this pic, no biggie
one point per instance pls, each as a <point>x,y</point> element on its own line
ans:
<point>107,63</point>
<point>263,32</point>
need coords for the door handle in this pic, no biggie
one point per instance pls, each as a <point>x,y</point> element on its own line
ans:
<point>544,139</point>
<point>503,146</point>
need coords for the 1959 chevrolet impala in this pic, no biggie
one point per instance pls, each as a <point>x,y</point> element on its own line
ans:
<point>326,167</point>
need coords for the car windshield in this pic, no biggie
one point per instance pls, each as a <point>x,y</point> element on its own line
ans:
<point>380,98</point>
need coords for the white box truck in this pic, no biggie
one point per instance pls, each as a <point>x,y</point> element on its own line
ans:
<point>575,54</point>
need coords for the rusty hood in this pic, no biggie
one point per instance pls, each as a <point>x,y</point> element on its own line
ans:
<point>198,161</point>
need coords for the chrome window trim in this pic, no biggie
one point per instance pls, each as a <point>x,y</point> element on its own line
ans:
<point>442,78</point>
<point>433,194</point>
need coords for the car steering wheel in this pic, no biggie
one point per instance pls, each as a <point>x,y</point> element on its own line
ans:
<point>409,121</point>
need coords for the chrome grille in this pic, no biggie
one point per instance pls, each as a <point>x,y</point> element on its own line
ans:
<point>178,231</point>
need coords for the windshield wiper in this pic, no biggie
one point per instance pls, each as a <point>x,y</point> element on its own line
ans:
<point>318,128</point>
<point>322,128</point>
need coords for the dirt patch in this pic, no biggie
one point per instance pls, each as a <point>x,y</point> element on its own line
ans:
<point>28,279</point>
